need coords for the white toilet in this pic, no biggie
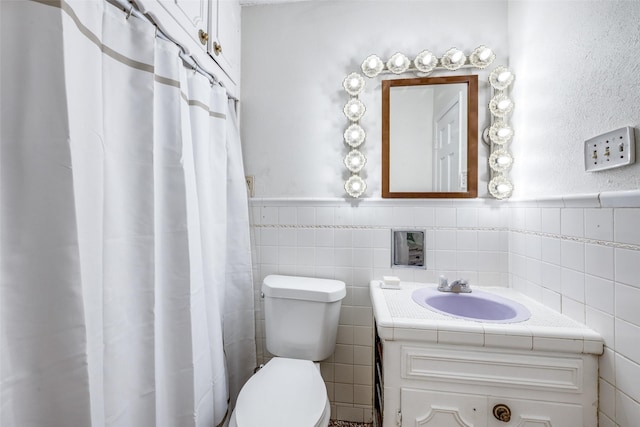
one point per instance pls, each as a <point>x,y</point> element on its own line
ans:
<point>301,323</point>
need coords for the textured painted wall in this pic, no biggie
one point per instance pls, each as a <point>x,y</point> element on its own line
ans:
<point>294,59</point>
<point>577,76</point>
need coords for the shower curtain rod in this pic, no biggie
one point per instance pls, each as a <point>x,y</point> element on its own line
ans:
<point>130,9</point>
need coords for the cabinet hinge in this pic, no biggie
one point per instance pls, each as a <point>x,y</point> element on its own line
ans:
<point>399,418</point>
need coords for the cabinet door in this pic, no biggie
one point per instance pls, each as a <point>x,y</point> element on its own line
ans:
<point>531,413</point>
<point>191,15</point>
<point>224,41</point>
<point>436,409</point>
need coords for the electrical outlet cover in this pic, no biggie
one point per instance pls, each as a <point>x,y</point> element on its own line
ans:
<point>610,150</point>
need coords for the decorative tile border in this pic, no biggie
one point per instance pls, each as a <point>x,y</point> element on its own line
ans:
<point>378,227</point>
<point>607,243</point>
<point>586,240</point>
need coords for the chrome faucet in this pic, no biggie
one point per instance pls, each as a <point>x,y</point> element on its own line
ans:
<point>457,286</point>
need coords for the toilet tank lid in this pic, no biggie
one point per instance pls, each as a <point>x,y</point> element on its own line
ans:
<point>303,288</point>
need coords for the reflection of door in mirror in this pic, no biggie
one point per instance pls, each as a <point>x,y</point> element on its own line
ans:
<point>429,137</point>
<point>450,160</point>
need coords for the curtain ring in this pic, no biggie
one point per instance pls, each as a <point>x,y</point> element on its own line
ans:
<point>130,12</point>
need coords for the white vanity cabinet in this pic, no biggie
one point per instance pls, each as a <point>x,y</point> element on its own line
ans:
<point>430,408</point>
<point>208,29</point>
<point>459,386</point>
<point>435,370</point>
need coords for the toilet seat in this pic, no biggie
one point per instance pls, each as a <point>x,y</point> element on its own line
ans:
<point>284,393</point>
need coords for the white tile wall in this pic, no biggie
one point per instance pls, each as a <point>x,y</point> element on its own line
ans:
<point>576,258</point>
<point>353,243</point>
<point>590,265</point>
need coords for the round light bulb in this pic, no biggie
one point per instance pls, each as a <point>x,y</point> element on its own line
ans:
<point>486,53</point>
<point>456,56</point>
<point>354,108</point>
<point>504,76</point>
<point>354,83</point>
<point>398,61</point>
<point>503,160</point>
<point>372,63</point>
<point>502,188</point>
<point>355,186</point>
<point>426,60</point>
<point>504,104</point>
<point>503,132</point>
<point>355,134</point>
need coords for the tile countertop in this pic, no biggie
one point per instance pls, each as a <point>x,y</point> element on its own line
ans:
<point>398,317</point>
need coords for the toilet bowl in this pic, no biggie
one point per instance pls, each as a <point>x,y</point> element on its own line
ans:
<point>284,393</point>
<point>301,323</point>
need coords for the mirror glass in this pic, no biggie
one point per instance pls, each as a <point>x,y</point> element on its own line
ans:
<point>430,137</point>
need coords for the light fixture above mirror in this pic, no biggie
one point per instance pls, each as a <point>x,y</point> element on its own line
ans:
<point>497,136</point>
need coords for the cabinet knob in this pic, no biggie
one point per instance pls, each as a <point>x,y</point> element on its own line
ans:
<point>204,37</point>
<point>502,412</point>
<point>217,48</point>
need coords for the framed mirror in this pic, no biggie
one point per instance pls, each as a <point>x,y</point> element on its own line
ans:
<point>430,137</point>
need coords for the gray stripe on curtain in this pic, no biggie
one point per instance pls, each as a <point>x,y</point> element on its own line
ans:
<point>195,103</point>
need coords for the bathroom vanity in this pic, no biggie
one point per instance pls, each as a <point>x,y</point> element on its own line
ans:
<point>432,369</point>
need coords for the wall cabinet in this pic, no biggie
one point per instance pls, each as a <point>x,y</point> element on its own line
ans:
<point>191,15</point>
<point>208,29</point>
<point>224,36</point>
<point>463,386</point>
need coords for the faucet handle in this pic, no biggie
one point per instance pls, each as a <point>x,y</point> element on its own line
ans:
<point>461,286</point>
<point>443,283</point>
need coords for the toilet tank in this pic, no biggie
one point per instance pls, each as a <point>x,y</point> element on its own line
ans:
<point>301,315</point>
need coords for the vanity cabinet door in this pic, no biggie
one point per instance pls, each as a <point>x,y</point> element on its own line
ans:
<point>532,413</point>
<point>436,409</point>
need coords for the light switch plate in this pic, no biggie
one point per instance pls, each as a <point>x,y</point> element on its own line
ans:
<point>610,150</point>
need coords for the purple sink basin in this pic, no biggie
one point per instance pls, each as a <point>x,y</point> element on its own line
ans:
<point>478,305</point>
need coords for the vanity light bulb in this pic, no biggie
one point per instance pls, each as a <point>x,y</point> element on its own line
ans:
<point>398,61</point>
<point>354,83</point>
<point>354,108</point>
<point>426,60</point>
<point>486,53</point>
<point>372,63</point>
<point>502,188</point>
<point>504,104</point>
<point>355,186</point>
<point>503,161</point>
<point>504,76</point>
<point>503,132</point>
<point>355,134</point>
<point>456,56</point>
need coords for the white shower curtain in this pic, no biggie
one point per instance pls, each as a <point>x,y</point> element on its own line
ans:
<point>126,294</point>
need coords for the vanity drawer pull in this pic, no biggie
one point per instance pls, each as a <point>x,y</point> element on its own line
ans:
<point>502,412</point>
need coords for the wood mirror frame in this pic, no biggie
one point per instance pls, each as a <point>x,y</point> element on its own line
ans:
<point>472,135</point>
